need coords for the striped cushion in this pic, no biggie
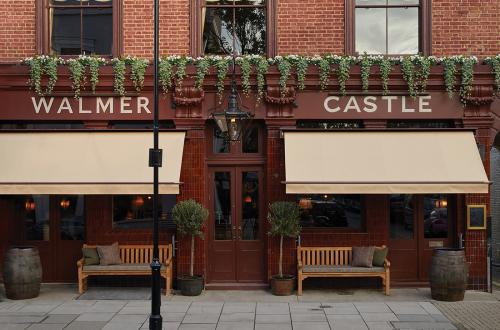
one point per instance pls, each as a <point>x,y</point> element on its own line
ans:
<point>340,269</point>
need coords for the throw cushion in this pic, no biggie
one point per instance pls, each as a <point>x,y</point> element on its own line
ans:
<point>362,256</point>
<point>109,254</point>
<point>90,256</point>
<point>379,255</point>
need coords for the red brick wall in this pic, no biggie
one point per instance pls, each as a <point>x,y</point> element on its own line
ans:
<point>466,27</point>
<point>310,27</point>
<point>17,29</point>
<point>138,27</point>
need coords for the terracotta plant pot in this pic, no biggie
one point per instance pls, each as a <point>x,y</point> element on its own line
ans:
<point>190,286</point>
<point>282,286</point>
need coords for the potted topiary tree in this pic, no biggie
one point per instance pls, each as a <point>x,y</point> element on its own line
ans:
<point>284,218</point>
<point>189,217</point>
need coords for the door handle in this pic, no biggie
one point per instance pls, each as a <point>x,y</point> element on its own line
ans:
<point>234,232</point>
<point>239,232</point>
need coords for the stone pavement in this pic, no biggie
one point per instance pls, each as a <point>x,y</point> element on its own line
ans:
<point>56,308</point>
<point>472,315</point>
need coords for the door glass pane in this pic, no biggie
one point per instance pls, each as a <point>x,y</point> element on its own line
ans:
<point>97,31</point>
<point>222,206</point>
<point>402,209</point>
<point>402,30</point>
<point>435,216</point>
<point>221,145</point>
<point>250,212</point>
<point>250,31</point>
<point>36,209</point>
<point>370,2</point>
<point>217,30</point>
<point>66,30</point>
<point>251,140</point>
<point>72,217</point>
<point>370,30</point>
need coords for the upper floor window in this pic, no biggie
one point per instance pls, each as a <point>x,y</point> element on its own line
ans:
<point>390,27</point>
<point>234,27</point>
<point>78,27</point>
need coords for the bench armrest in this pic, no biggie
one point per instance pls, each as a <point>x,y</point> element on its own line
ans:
<point>79,263</point>
<point>168,261</point>
<point>299,264</point>
<point>387,264</point>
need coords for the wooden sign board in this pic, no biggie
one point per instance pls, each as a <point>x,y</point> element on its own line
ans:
<point>476,217</point>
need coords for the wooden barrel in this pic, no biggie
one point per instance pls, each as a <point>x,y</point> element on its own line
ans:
<point>22,272</point>
<point>448,274</point>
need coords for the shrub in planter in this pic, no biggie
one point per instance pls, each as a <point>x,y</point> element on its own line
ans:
<point>189,217</point>
<point>284,218</point>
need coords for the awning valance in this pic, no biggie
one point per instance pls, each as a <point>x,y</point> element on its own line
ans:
<point>87,162</point>
<point>383,162</point>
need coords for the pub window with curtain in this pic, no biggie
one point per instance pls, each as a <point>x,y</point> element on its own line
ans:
<point>388,27</point>
<point>136,211</point>
<point>331,211</point>
<point>234,27</point>
<point>81,27</point>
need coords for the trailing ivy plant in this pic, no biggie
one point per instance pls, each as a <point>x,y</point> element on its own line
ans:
<point>165,73</point>
<point>119,71</point>
<point>385,68</point>
<point>467,76</point>
<point>423,73</point>
<point>284,67</point>
<point>301,64</point>
<point>181,64</point>
<point>450,70</point>
<point>40,65</point>
<point>324,71</point>
<point>222,66</point>
<point>202,67</point>
<point>137,70</point>
<point>408,70</point>
<point>77,71</point>
<point>246,69</point>
<point>494,62</point>
<point>261,67</point>
<point>365,64</point>
<point>94,64</point>
<point>343,72</point>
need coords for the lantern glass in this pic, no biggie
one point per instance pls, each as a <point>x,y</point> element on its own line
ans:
<point>220,120</point>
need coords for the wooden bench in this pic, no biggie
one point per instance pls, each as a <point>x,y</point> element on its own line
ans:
<point>335,262</point>
<point>136,260</point>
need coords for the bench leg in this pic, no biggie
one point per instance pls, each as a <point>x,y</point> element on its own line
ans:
<point>82,284</point>
<point>299,285</point>
<point>387,283</point>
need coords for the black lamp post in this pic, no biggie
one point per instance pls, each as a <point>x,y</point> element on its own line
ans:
<point>155,158</point>
<point>233,121</point>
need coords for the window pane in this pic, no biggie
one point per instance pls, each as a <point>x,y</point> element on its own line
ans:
<point>99,2</point>
<point>250,2</point>
<point>65,2</point>
<point>435,216</point>
<point>221,145</point>
<point>251,140</point>
<point>136,211</point>
<point>403,30</point>
<point>36,210</point>
<point>370,2</point>
<point>403,2</point>
<point>217,31</point>
<point>401,209</point>
<point>370,30</point>
<point>222,206</point>
<point>250,196</point>
<point>72,217</point>
<point>66,31</point>
<point>250,31</point>
<point>332,211</point>
<point>218,2</point>
<point>97,31</point>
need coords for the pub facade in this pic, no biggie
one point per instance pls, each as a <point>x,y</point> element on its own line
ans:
<point>375,146</point>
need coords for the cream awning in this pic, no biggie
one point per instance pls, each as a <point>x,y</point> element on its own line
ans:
<point>383,162</point>
<point>87,162</point>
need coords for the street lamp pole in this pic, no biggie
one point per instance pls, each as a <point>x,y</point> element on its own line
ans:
<point>155,158</point>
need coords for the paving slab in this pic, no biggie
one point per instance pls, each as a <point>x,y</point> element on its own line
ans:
<point>311,326</point>
<point>127,318</point>
<point>306,307</point>
<point>272,318</point>
<point>14,326</point>
<point>379,325</point>
<point>372,307</point>
<point>85,326</point>
<point>197,327</point>
<point>340,308</point>
<point>235,325</point>
<point>407,308</point>
<point>417,318</point>
<point>121,326</point>
<point>309,317</point>
<point>237,317</point>
<point>37,308</point>
<point>165,326</point>
<point>175,307</point>
<point>424,325</point>
<point>43,326</point>
<point>281,326</point>
<point>172,317</point>
<point>16,319</point>
<point>95,317</point>
<point>348,325</point>
<point>379,317</point>
<point>205,307</point>
<point>273,308</point>
<point>60,319</point>
<point>201,318</point>
<point>239,307</point>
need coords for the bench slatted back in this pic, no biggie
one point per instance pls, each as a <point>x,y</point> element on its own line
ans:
<point>335,256</point>
<point>132,254</point>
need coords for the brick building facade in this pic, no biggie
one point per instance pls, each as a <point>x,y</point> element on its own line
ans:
<point>306,28</point>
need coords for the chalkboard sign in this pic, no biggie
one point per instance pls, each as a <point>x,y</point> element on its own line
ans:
<point>476,217</point>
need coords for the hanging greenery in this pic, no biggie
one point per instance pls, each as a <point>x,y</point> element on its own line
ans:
<point>119,71</point>
<point>77,71</point>
<point>94,64</point>
<point>343,72</point>
<point>408,70</point>
<point>40,65</point>
<point>324,71</point>
<point>494,62</point>
<point>222,65</point>
<point>246,69</point>
<point>165,73</point>
<point>450,70</point>
<point>467,76</point>
<point>137,70</point>
<point>365,64</point>
<point>284,67</point>
<point>385,68</point>
<point>202,67</point>
<point>181,64</point>
<point>421,76</point>
<point>301,65</point>
<point>261,67</point>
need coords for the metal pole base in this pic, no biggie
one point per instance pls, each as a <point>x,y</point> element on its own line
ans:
<point>155,322</point>
<point>155,319</point>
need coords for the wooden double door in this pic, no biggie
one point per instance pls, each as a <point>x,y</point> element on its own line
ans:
<point>418,224</point>
<point>236,225</point>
